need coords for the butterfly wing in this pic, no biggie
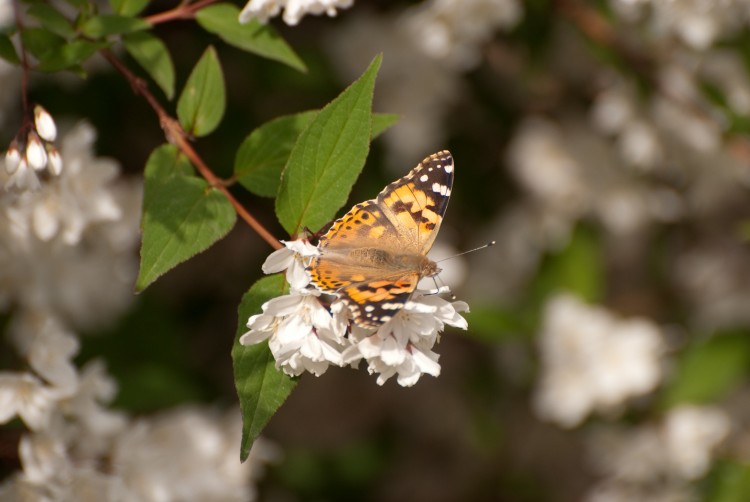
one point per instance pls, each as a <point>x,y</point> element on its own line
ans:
<point>416,203</point>
<point>342,261</point>
<point>403,219</point>
<point>350,265</point>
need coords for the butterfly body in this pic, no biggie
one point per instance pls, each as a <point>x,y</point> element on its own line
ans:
<point>374,256</point>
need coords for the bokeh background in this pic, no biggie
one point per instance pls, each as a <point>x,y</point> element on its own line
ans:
<point>602,144</point>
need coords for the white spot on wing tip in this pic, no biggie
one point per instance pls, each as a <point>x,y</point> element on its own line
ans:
<point>449,168</point>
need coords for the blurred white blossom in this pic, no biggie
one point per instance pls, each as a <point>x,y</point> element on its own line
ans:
<point>426,48</point>
<point>188,454</point>
<point>43,265</point>
<point>454,31</point>
<point>593,361</point>
<point>657,458</point>
<point>6,12</point>
<point>25,396</point>
<point>571,173</point>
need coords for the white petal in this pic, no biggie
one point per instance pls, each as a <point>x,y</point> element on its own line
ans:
<point>426,361</point>
<point>277,261</point>
<point>392,352</point>
<point>252,337</point>
<point>45,221</point>
<point>36,155</point>
<point>54,162</point>
<point>44,123</point>
<point>302,247</point>
<point>12,159</point>
<point>297,275</point>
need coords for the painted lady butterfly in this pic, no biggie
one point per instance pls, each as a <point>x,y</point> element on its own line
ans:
<point>374,256</point>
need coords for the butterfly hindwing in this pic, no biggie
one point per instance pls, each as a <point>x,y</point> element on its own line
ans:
<point>375,302</point>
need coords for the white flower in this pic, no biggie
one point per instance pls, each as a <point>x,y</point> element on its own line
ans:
<point>667,455</point>
<point>300,333</point>
<point>36,154</point>
<point>402,346</point>
<point>41,267</point>
<point>187,454</point>
<point>294,10</point>
<point>23,178</point>
<point>25,395</point>
<point>54,162</point>
<point>303,335</point>
<point>593,361</point>
<point>454,31</point>
<point>49,349</point>
<point>43,457</point>
<point>293,258</point>
<point>6,13</point>
<point>45,124</point>
<point>691,434</point>
<point>12,158</point>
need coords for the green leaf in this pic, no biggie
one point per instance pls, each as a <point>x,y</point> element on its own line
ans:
<point>182,215</point>
<point>69,55</point>
<point>577,268</point>
<point>128,7</point>
<point>261,388</point>
<point>8,51</point>
<point>729,481</point>
<point>261,39</point>
<point>708,370</point>
<point>327,158</point>
<point>52,19</point>
<point>153,56</point>
<point>39,41</point>
<point>381,122</point>
<point>264,153</point>
<point>492,324</point>
<point>102,26</point>
<point>201,104</point>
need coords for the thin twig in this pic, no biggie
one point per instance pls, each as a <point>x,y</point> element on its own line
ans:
<point>184,10</point>
<point>177,136</point>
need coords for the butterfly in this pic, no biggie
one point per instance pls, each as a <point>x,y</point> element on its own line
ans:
<point>373,257</point>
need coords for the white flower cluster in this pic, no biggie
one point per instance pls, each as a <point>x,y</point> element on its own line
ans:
<point>658,459</point>
<point>34,151</point>
<point>571,172</point>
<point>67,262</point>
<point>303,335</point>
<point>294,10</point>
<point>593,361</point>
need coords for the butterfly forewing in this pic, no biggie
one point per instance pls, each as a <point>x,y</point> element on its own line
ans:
<point>373,256</point>
<point>416,203</point>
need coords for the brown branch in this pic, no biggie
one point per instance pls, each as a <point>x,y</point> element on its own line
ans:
<point>183,11</point>
<point>177,136</point>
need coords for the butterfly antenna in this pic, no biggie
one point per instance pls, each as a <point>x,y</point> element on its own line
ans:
<point>489,244</point>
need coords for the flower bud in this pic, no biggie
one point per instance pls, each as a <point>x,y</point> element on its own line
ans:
<point>36,155</point>
<point>55,163</point>
<point>44,123</point>
<point>12,158</point>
